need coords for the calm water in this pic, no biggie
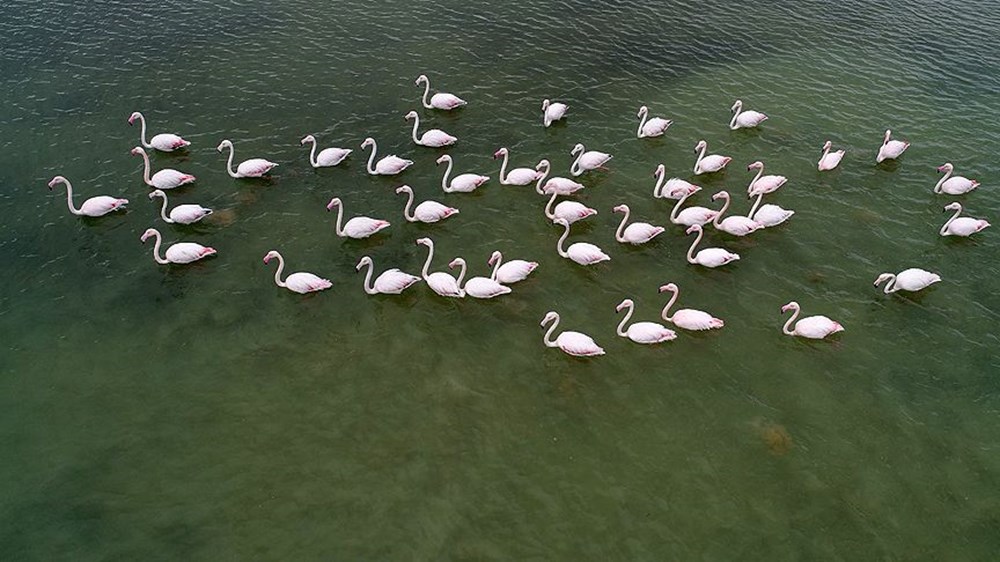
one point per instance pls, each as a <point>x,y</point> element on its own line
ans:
<point>201,413</point>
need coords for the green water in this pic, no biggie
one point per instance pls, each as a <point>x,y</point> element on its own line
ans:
<point>201,413</point>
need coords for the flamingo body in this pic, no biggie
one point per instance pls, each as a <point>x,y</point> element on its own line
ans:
<point>181,214</point>
<point>327,157</point>
<point>386,166</point>
<point>357,227</point>
<point>710,163</point>
<point>708,257</point>
<point>462,183</point>
<point>95,206</point>
<point>961,226</point>
<point>427,211</point>
<point>572,343</point>
<point>513,271</point>
<point>164,142</point>
<point>587,160</point>
<point>440,100</point>
<point>552,112</point>
<point>252,168</point>
<point>582,253</point>
<point>745,119</point>
<point>637,232</point>
<point>957,185</point>
<point>653,127</point>
<point>829,160</point>
<point>434,138</point>
<point>811,327</point>
<point>301,282</point>
<point>180,253</point>
<point>890,149</point>
<point>912,280</point>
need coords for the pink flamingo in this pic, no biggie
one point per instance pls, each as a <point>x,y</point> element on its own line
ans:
<point>478,287</point>
<point>93,207</point>
<point>357,227</point>
<point>961,226</point>
<point>653,127</point>
<point>326,157</point>
<point>642,332</point>
<point>559,185</point>
<point>181,252</point>
<point>768,215</point>
<point>181,214</point>
<point>708,164</point>
<point>688,318</point>
<point>829,160</point>
<point>434,138</point>
<point>252,168</point>
<point>165,178</point>
<point>692,215</point>
<point>708,257</point>
<point>427,211</point>
<point>301,282</point>
<point>517,176</point>
<point>569,211</point>
<point>462,183</point>
<point>957,185</point>
<point>572,343</point>
<point>734,224</point>
<point>512,271</point>
<point>552,111</point>
<point>812,327</point>
<point>389,282</point>
<point>890,149</point>
<point>387,165</point>
<point>164,142</point>
<point>637,232</point>
<point>912,280</point>
<point>440,100</point>
<point>761,183</point>
<point>745,119</point>
<point>587,160</point>
<point>674,188</point>
<point>582,253</point>
<point>439,281</point>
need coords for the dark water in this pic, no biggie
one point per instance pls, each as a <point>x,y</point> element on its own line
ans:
<point>201,413</point>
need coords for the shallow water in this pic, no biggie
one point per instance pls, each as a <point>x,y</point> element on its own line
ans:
<point>201,413</point>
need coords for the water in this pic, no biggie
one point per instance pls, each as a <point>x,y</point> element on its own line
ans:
<point>201,413</point>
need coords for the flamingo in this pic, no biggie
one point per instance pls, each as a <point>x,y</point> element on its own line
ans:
<point>812,327</point>
<point>735,224</point>
<point>181,214</point>
<point>357,227</point>
<point>478,287</point>
<point>512,271</point>
<point>181,252</point>
<point>653,127</point>
<point>440,100</point>
<point>768,215</point>
<point>439,281</point>
<point>252,168</point>
<point>552,112</point>
<point>961,226</point>
<point>387,165</point>
<point>688,318</point>
<point>642,332</point>
<point>745,119</point>
<point>708,164</point>
<point>761,183</point>
<point>637,232</point>
<point>957,185</point>
<point>301,282</point>
<point>582,253</point>
<point>164,142</point>
<point>691,215</point>
<point>587,160</point>
<point>428,211</point>
<point>890,149</point>
<point>389,282</point>
<point>913,279</point>
<point>708,257</point>
<point>327,157</point>
<point>165,178</point>
<point>462,183</point>
<point>93,207</point>
<point>434,138</point>
<point>572,343</point>
<point>829,160</point>
<point>517,176</point>
<point>674,188</point>
<point>569,211</point>
<point>559,185</point>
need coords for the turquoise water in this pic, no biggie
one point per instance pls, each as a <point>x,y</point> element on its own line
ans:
<point>201,413</point>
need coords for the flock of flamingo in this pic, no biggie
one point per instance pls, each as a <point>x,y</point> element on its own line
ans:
<point>564,214</point>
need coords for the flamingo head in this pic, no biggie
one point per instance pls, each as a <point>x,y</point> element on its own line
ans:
<point>425,242</point>
<point>500,152</point>
<point>55,180</point>
<point>457,262</point>
<point>224,145</point>
<point>307,138</point>
<point>956,206</point>
<point>561,222</point>
<point>693,228</point>
<point>333,203</point>
<point>135,115</point>
<point>946,167</point>
<point>882,278</point>
<point>420,79</point>
<point>545,104</point>
<point>620,209</point>
<point>410,115</point>
<point>659,171</point>
<point>549,317</point>
<point>668,287</point>
<point>642,111</point>
<point>737,105</point>
<point>367,142</point>
<point>827,145</point>
<point>136,151</point>
<point>404,189</point>
<point>444,158</point>
<point>146,235</point>
<point>701,144</point>
<point>576,149</point>
<point>494,258</point>
<point>790,306</point>
<point>755,165</point>
<point>627,303</point>
<point>888,133</point>
<point>542,164</point>
<point>270,255</point>
<point>157,193</point>
<point>720,195</point>
<point>365,260</point>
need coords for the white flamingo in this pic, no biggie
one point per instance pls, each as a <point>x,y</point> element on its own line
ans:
<point>181,252</point>
<point>181,214</point>
<point>440,100</point>
<point>637,232</point>
<point>582,253</point>
<point>761,183</point>
<point>440,282</point>
<point>708,257</point>
<point>301,282</point>
<point>587,160</point>
<point>357,227</point>
<point>673,188</point>
<point>912,280</point>
<point>642,332</point>
<point>93,207</point>
<point>957,185</point>
<point>708,164</point>
<point>389,282</point>
<point>745,119</point>
<point>768,215</point>
<point>164,142</point>
<point>478,287</point>
<point>829,160</point>
<point>734,224</point>
<point>326,157</point>
<point>427,211</point>
<point>890,149</point>
<point>512,271</point>
<point>691,215</point>
<point>517,176</point>
<point>552,111</point>
<point>546,185</point>
<point>812,327</point>
<point>252,168</point>
<point>434,138</point>
<point>387,165</point>
<point>961,226</point>
<point>462,183</point>
<point>569,211</point>
<point>653,127</point>
<point>688,318</point>
<point>164,179</point>
<point>572,343</point>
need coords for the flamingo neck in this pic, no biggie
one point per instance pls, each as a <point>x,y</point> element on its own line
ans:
<point>407,214</point>
<point>786,328</point>
<point>890,285</point>
<point>503,169</point>
<point>677,208</point>
<point>701,154</point>
<point>944,229</point>
<point>548,206</point>
<point>369,288</point>
<point>427,89</point>
<point>547,338</point>
<point>496,267</point>
<point>163,210</point>
<point>427,264</point>
<point>142,132</point>
<point>340,217</point>
<point>312,155</point>
<point>545,114</point>
<point>575,168</point>
<point>416,123</point>
<point>690,254</point>
<point>69,198</point>
<point>371,159</point>
<point>736,115</point>
<point>156,249</point>
<point>658,186</point>
<point>642,122</point>
<point>145,173</point>
<point>461,274</point>
<point>229,163</point>
<point>619,234</point>
<point>753,209</point>
<point>826,151</point>
<point>538,184</point>
<point>937,188</point>
<point>621,326</point>
<point>447,171</point>
<point>722,211</point>
<point>277,272</point>
<point>760,172</point>
<point>559,244</point>
<point>670,303</point>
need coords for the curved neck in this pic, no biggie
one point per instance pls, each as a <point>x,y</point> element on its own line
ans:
<point>944,178</point>
<point>427,89</point>
<point>461,273</point>
<point>722,211</point>
<point>548,206</point>
<point>732,122</point>
<point>642,121</point>
<point>760,172</point>
<point>503,168</point>
<point>787,327</point>
<point>229,163</point>
<point>416,123</point>
<point>541,179</point>
<point>621,227</point>
<point>369,288</point>
<point>547,338</point>
<point>145,173</point>
<point>407,214</point>
<point>826,150</point>
<point>677,208</point>
<point>670,303</point>
<point>559,244</point>
<point>156,250</point>
<point>760,197</point>
<point>575,168</point>
<point>427,264</point>
<point>496,267</point>
<point>890,285</point>
<point>447,171</point>
<point>312,155</point>
<point>944,229</point>
<point>690,255</point>
<point>277,272</point>
<point>660,176</point>
<point>163,210</point>
<point>371,159</point>
<point>69,198</point>
<point>340,217</point>
<point>701,154</point>
<point>142,132</point>
<point>621,326</point>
